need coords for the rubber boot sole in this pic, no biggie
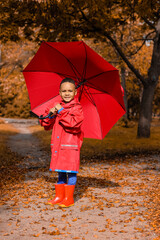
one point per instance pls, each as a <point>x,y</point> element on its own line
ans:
<point>48,203</point>
<point>64,206</point>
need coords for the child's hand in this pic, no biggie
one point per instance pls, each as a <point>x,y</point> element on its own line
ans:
<point>58,106</point>
<point>53,111</point>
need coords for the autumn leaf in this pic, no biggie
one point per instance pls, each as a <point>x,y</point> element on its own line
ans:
<point>36,235</point>
<point>124,212</point>
<point>103,230</point>
<point>74,220</point>
<point>16,195</point>
<point>6,234</point>
<point>15,213</point>
<point>139,229</point>
<point>95,236</point>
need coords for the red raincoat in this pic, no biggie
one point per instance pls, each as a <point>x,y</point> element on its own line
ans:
<point>67,137</point>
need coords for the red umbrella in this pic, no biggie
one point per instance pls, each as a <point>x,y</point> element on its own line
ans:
<point>99,89</point>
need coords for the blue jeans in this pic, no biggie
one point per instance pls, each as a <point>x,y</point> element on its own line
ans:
<point>62,178</point>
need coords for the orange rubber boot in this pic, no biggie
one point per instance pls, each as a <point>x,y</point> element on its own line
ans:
<point>60,194</point>
<point>68,200</point>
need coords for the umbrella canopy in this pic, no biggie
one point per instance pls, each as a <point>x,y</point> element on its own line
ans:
<point>99,89</point>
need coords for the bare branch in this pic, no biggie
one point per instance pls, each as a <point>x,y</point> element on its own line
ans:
<point>149,23</point>
<point>102,32</point>
<point>10,72</point>
<point>17,64</point>
<point>141,39</point>
<point>2,64</point>
<point>125,59</point>
<point>82,13</point>
<point>137,50</point>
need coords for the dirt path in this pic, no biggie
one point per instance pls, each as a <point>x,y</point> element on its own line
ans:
<point>110,199</point>
<point>27,145</point>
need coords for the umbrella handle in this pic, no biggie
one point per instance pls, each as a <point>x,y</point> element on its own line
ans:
<point>47,116</point>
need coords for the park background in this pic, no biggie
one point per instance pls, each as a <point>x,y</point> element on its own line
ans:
<point>126,34</point>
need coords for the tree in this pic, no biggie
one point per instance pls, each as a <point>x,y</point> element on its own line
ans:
<point>17,24</point>
<point>105,19</point>
<point>124,23</point>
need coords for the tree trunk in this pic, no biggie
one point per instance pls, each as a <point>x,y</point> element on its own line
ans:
<point>0,53</point>
<point>123,79</point>
<point>146,112</point>
<point>0,57</point>
<point>148,91</point>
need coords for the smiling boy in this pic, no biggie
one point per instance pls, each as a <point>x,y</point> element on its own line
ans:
<point>66,141</point>
<point>67,92</point>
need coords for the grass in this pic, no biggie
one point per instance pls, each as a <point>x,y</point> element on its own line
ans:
<point>119,141</point>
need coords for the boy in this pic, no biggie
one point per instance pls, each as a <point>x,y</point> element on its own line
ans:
<point>66,142</point>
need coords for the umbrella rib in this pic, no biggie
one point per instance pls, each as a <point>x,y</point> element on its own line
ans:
<point>71,64</point>
<point>89,96</point>
<point>63,74</point>
<point>81,91</point>
<point>97,88</point>
<point>92,100</point>
<point>94,87</point>
<point>85,64</point>
<point>100,74</point>
<point>45,102</point>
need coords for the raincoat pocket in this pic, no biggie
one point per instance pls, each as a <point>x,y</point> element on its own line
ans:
<point>69,153</point>
<point>69,146</point>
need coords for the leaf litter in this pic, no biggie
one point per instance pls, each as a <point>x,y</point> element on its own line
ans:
<point>112,201</point>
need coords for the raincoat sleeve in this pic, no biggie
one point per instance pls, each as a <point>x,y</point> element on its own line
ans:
<point>71,119</point>
<point>48,122</point>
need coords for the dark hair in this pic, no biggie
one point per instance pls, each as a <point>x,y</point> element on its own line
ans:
<point>70,80</point>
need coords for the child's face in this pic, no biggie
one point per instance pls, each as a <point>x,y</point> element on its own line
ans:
<point>67,91</point>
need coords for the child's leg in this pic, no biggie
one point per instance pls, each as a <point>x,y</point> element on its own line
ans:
<point>69,190</point>
<point>59,188</point>
<point>72,178</point>
<point>62,178</point>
